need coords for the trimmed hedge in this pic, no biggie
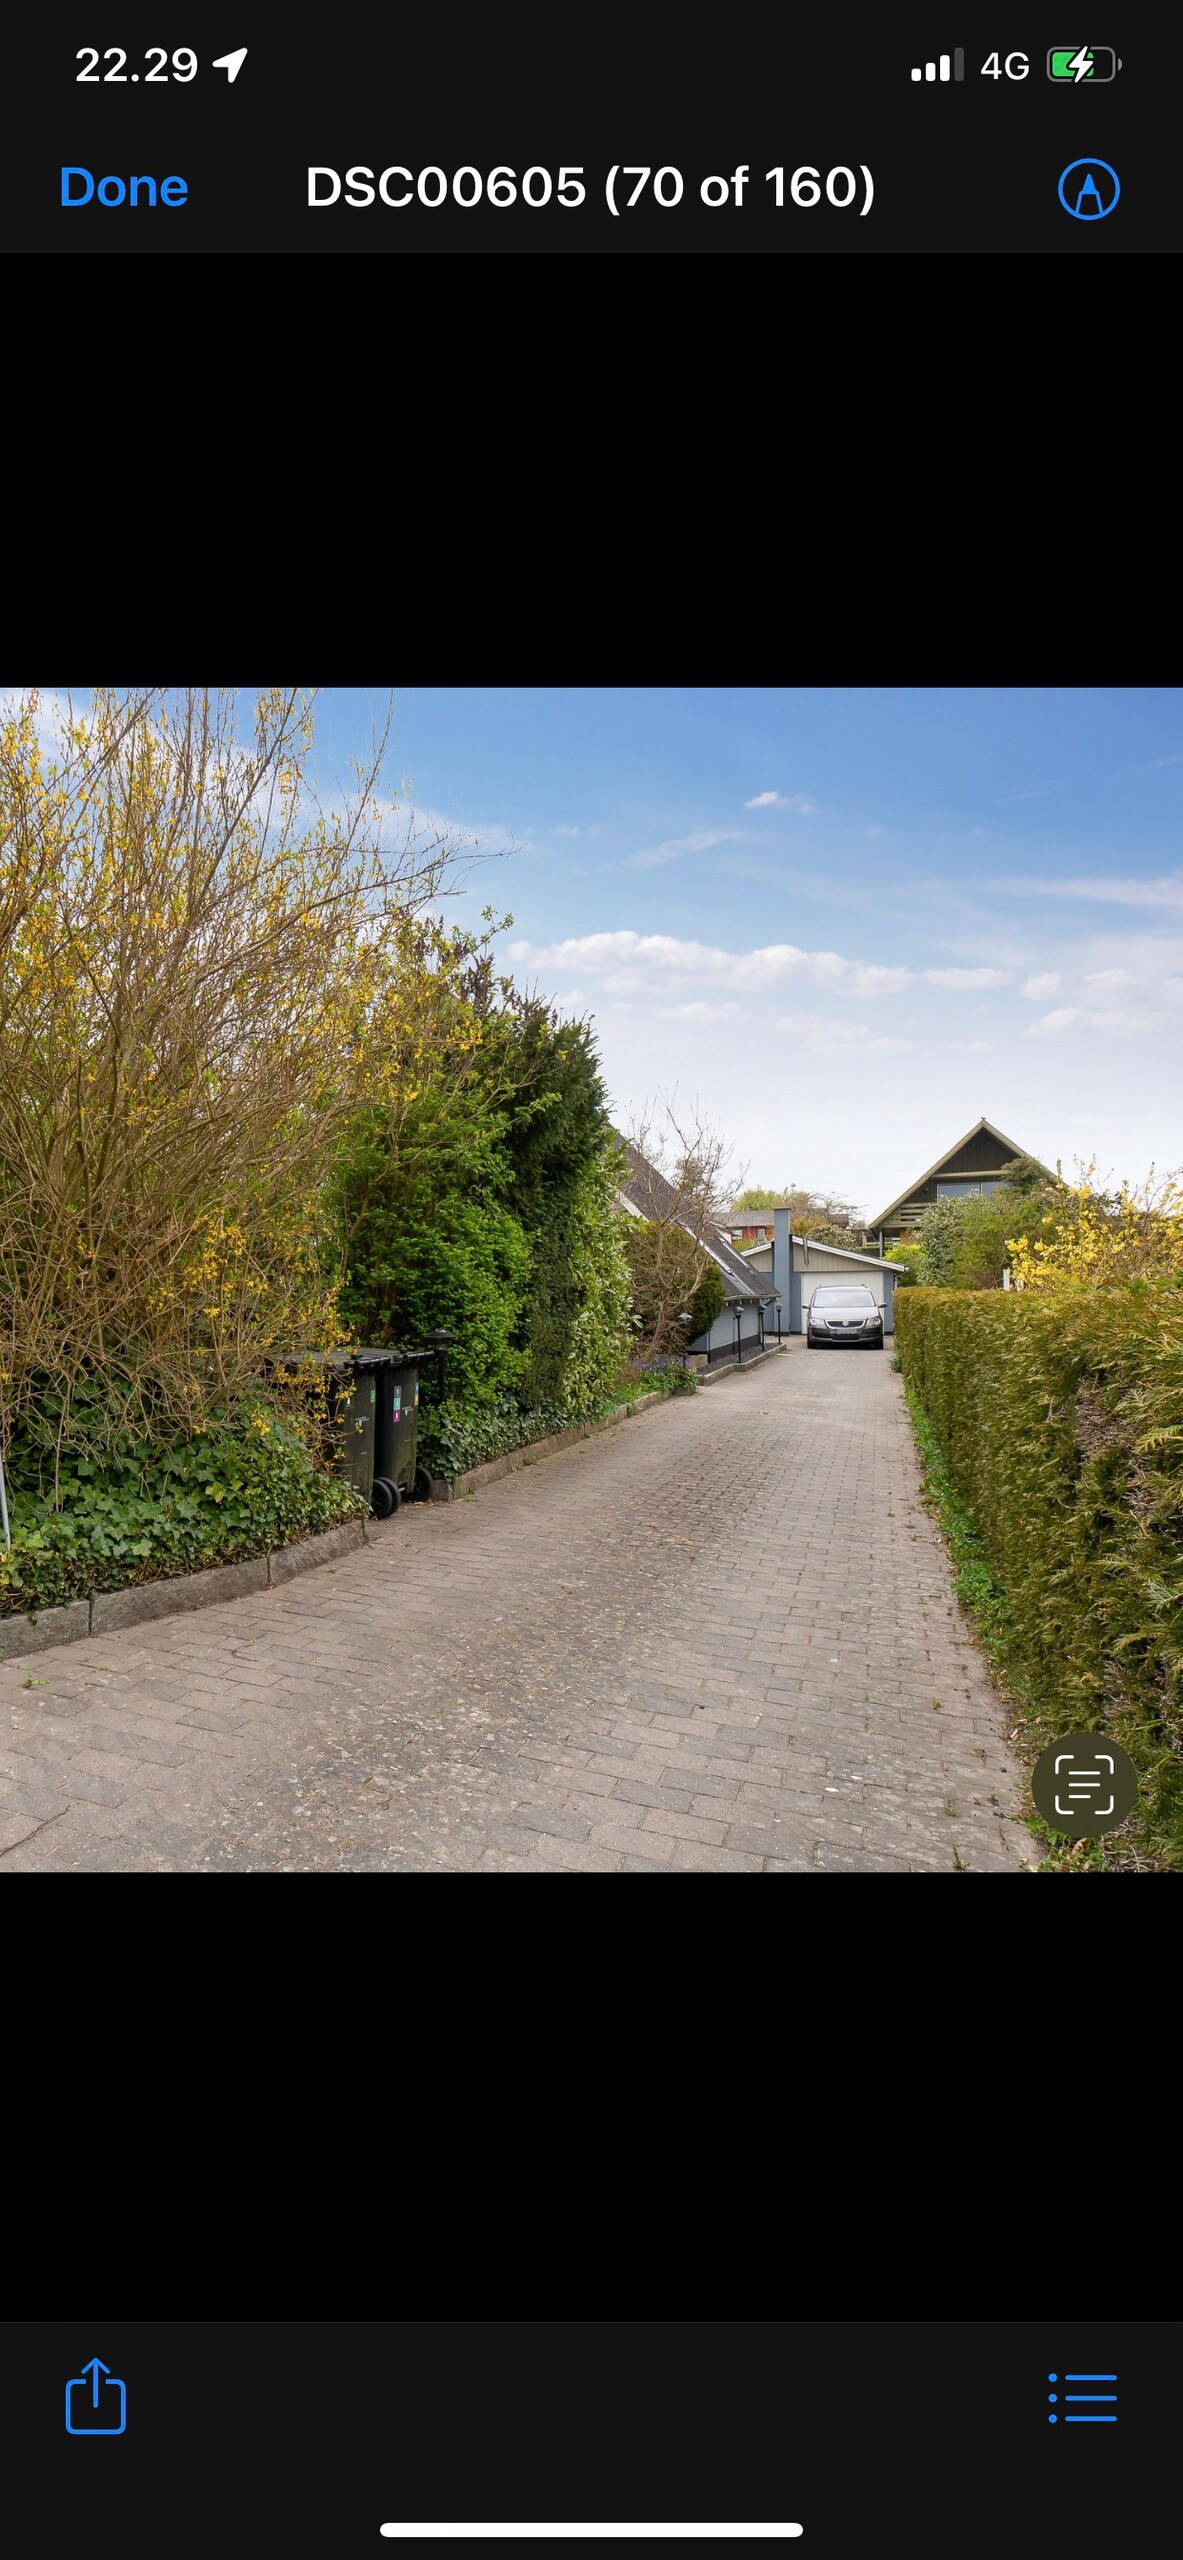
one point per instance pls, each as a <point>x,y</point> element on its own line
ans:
<point>1060,1421</point>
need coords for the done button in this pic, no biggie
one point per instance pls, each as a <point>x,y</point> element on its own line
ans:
<point>79,187</point>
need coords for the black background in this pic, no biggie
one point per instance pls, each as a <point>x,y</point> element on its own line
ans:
<point>962,167</point>
<point>923,2438</point>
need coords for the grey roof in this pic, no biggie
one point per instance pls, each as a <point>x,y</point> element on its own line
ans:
<point>646,1191</point>
<point>882,1261</point>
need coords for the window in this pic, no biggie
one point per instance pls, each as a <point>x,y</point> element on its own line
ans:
<point>843,1298</point>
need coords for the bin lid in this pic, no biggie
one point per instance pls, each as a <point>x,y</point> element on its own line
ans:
<point>343,1357</point>
<point>397,1359</point>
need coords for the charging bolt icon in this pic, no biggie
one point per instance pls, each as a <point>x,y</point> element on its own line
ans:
<point>1082,62</point>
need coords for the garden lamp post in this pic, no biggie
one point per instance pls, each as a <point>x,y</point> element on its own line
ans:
<point>684,1318</point>
<point>438,1342</point>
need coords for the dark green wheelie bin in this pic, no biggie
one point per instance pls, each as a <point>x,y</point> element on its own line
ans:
<point>396,1378</point>
<point>351,1408</point>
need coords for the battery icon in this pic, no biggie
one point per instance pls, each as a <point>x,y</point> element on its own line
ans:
<point>1082,62</point>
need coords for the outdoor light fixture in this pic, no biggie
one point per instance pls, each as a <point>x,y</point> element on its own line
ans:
<point>438,1342</point>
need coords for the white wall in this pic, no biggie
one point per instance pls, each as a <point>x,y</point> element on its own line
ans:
<point>820,1265</point>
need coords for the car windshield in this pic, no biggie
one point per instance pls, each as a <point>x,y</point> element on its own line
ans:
<point>843,1298</point>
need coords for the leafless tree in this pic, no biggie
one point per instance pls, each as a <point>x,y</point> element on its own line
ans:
<point>681,1177</point>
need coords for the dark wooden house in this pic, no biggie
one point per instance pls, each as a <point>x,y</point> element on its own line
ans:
<point>973,1166</point>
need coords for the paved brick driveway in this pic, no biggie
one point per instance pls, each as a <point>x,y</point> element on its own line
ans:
<point>720,1635</point>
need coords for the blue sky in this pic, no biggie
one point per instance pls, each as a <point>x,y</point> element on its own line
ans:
<point>846,922</point>
<point>849,923</point>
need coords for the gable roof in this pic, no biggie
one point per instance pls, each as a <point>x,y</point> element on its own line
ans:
<point>881,1261</point>
<point>647,1194</point>
<point>906,1194</point>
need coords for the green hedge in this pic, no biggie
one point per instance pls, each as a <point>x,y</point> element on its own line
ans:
<point>231,1492</point>
<point>1060,1422</point>
<point>452,1438</point>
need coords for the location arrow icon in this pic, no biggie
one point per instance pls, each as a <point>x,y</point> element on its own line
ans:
<point>231,63</point>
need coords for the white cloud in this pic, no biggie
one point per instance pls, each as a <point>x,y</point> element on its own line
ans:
<point>644,961</point>
<point>874,831</point>
<point>1110,978</point>
<point>777,800</point>
<point>639,961</point>
<point>701,1012</point>
<point>566,831</point>
<point>674,845</point>
<point>1110,1019</point>
<point>958,978</point>
<point>1040,988</point>
<point>849,1037</point>
<point>1052,1022</point>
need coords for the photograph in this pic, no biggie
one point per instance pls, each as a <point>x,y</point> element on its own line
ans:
<point>440,1130</point>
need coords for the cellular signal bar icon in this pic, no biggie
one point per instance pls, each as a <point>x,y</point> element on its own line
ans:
<point>940,70</point>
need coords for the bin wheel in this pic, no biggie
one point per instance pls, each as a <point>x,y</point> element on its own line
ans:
<point>422,1485</point>
<point>384,1498</point>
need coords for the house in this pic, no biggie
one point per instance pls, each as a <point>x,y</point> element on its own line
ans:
<point>796,1264</point>
<point>750,1307</point>
<point>746,1226</point>
<point>971,1167</point>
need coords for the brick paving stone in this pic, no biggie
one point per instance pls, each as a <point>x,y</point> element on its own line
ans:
<point>544,1678</point>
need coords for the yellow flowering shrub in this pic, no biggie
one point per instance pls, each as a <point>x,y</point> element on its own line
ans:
<point>196,964</point>
<point>1105,1237</point>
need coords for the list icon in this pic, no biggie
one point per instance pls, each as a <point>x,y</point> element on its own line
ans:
<point>1083,2400</point>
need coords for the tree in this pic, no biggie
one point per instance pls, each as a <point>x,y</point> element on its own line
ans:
<point>667,1270</point>
<point>821,1215</point>
<point>192,951</point>
<point>707,1302</point>
<point>598,1274</point>
<point>561,1151</point>
<point>910,1253</point>
<point>477,1188</point>
<point>966,1243</point>
<point>690,1158</point>
<point>680,1179</point>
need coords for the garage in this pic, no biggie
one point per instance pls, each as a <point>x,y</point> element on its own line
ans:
<point>796,1266</point>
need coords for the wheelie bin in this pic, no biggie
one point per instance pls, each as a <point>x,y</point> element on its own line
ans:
<point>351,1408</point>
<point>396,1378</point>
